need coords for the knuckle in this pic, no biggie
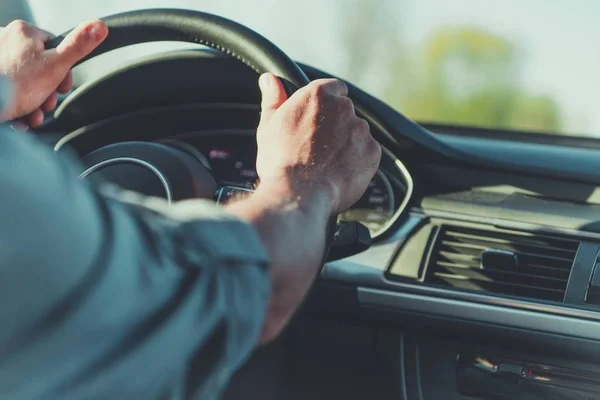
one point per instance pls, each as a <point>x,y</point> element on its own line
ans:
<point>18,25</point>
<point>376,151</point>
<point>346,104</point>
<point>342,85</point>
<point>317,89</point>
<point>363,125</point>
<point>321,88</point>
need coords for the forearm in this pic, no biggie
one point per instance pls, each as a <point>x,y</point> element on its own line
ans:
<point>77,265</point>
<point>292,229</point>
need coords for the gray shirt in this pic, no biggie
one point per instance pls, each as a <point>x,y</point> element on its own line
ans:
<point>104,298</point>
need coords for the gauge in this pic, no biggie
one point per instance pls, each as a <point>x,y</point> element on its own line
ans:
<point>233,163</point>
<point>376,207</point>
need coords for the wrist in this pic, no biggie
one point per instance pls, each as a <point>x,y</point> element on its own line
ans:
<point>305,195</point>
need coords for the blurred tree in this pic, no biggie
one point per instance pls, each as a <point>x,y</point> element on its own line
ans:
<point>462,75</point>
<point>467,76</point>
<point>536,113</point>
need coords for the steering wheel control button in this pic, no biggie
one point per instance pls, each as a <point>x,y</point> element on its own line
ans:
<point>350,238</point>
<point>227,193</point>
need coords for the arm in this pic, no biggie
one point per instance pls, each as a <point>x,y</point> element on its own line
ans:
<point>292,228</point>
<point>315,159</point>
<point>99,294</point>
<point>94,290</point>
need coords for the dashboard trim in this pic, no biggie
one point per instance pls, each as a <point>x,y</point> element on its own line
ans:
<point>409,184</point>
<point>566,325</point>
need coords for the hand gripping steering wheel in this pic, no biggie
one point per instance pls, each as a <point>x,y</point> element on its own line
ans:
<point>179,174</point>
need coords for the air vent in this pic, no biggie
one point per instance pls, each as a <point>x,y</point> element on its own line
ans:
<point>503,262</point>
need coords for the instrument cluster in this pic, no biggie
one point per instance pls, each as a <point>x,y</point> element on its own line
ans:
<point>232,160</point>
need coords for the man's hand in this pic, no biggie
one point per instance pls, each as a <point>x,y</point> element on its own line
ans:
<point>38,74</point>
<point>315,142</point>
<point>315,159</point>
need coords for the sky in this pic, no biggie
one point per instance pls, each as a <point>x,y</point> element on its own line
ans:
<point>556,38</point>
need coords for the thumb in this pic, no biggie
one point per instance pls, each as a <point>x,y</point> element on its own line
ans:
<point>80,42</point>
<point>273,95</point>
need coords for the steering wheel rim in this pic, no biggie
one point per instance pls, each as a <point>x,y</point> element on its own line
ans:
<point>229,37</point>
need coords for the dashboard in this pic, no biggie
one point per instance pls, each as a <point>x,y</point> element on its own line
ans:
<point>499,245</point>
<point>231,158</point>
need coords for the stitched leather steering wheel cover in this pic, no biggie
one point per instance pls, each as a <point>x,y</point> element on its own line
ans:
<point>238,41</point>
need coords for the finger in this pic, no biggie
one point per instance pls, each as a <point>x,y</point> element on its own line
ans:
<point>50,103</point>
<point>333,86</point>
<point>66,84</point>
<point>273,96</point>
<point>79,43</point>
<point>34,119</point>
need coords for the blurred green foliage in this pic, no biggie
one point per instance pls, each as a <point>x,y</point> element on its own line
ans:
<point>459,76</point>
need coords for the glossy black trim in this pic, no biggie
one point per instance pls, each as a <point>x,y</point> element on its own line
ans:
<point>515,135</point>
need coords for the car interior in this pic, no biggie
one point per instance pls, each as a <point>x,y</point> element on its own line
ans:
<point>468,270</point>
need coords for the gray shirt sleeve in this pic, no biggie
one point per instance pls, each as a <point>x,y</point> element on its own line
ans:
<point>104,298</point>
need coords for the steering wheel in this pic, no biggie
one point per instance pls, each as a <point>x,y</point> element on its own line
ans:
<point>173,173</point>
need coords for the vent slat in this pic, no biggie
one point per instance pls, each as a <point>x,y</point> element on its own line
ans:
<point>493,282</point>
<point>514,236</point>
<point>459,256</point>
<point>544,262</point>
<point>525,269</point>
<point>566,269</point>
<point>515,278</point>
<point>524,256</point>
<point>483,245</point>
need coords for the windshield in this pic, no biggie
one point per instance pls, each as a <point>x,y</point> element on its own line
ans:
<point>527,65</point>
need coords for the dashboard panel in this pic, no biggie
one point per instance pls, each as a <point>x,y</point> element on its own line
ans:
<point>232,158</point>
<point>533,188</point>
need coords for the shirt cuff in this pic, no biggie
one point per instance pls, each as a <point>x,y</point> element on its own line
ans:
<point>203,225</point>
